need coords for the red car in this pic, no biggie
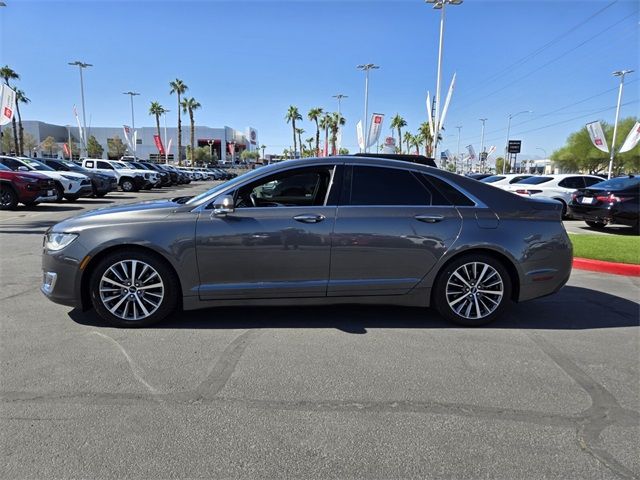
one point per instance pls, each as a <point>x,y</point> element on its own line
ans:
<point>28,188</point>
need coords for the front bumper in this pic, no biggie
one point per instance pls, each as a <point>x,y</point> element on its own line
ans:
<point>61,275</point>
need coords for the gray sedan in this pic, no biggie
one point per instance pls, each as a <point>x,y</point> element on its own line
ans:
<point>313,231</point>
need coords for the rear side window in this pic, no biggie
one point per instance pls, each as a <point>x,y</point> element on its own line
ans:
<point>88,164</point>
<point>104,165</point>
<point>519,178</point>
<point>387,186</point>
<point>451,195</point>
<point>572,182</point>
<point>535,180</point>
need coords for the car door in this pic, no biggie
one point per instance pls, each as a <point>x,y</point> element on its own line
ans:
<point>277,241</point>
<point>392,227</point>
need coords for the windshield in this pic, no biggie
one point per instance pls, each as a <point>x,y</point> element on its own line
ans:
<point>73,166</point>
<point>535,180</point>
<point>620,183</point>
<point>36,165</point>
<point>492,179</point>
<point>230,183</point>
<point>4,167</point>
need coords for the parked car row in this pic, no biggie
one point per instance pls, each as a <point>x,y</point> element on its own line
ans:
<point>88,177</point>
<point>588,197</point>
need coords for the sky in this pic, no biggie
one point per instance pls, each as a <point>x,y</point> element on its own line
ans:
<point>246,62</point>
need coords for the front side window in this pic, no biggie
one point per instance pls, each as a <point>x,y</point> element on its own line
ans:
<point>390,186</point>
<point>294,188</point>
<point>105,165</point>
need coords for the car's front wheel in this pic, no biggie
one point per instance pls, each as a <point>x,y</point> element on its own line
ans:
<point>8,198</point>
<point>133,289</point>
<point>127,185</point>
<point>472,290</point>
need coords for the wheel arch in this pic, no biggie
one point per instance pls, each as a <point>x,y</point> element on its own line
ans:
<point>501,257</point>
<point>85,298</point>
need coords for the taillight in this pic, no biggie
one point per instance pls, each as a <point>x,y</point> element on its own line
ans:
<point>527,192</point>
<point>611,198</point>
<point>574,196</point>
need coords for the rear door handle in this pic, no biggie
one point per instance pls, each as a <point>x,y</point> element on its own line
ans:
<point>308,218</point>
<point>429,218</point>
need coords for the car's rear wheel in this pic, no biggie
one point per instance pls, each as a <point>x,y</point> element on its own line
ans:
<point>133,289</point>
<point>596,225</point>
<point>473,290</point>
<point>71,198</point>
<point>8,198</point>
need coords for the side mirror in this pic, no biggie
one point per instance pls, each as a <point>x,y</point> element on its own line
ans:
<point>223,205</point>
<point>22,168</point>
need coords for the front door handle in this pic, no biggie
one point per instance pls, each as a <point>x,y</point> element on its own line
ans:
<point>429,218</point>
<point>308,218</point>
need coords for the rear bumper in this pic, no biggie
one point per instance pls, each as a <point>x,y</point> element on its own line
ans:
<point>616,215</point>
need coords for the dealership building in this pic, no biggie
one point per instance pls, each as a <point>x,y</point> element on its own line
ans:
<point>224,142</point>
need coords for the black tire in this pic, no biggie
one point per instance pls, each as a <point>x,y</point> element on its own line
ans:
<point>71,198</point>
<point>595,225</point>
<point>169,279</point>
<point>100,194</point>
<point>59,192</point>
<point>441,301</point>
<point>127,185</point>
<point>564,208</point>
<point>8,198</point>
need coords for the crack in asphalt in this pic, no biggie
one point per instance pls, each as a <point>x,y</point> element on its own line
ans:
<point>589,424</point>
<point>604,411</point>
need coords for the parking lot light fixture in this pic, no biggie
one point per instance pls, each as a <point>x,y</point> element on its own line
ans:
<point>81,66</point>
<point>621,74</point>
<point>366,68</point>
<point>439,5</point>
<point>506,147</point>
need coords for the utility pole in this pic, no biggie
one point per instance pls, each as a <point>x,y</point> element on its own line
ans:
<point>366,67</point>
<point>339,96</point>
<point>621,74</point>
<point>482,157</point>
<point>459,127</point>
<point>506,147</point>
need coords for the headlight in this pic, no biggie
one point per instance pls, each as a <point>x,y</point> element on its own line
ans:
<point>27,179</point>
<point>57,241</point>
<point>69,177</point>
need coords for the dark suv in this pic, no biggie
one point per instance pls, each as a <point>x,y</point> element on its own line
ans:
<point>101,183</point>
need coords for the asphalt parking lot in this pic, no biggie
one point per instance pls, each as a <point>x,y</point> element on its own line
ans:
<point>550,391</point>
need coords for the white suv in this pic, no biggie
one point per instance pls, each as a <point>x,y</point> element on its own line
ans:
<point>129,180</point>
<point>69,185</point>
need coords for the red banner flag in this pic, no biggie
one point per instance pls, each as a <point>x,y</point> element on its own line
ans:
<point>65,148</point>
<point>159,145</point>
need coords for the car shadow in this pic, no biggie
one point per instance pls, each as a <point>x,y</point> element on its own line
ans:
<point>50,207</point>
<point>573,308</point>
<point>34,227</point>
<point>92,201</point>
<point>611,230</point>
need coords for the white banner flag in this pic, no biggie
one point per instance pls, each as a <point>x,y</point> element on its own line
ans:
<point>446,103</point>
<point>375,127</point>
<point>127,136</point>
<point>7,104</point>
<point>632,139</point>
<point>491,149</point>
<point>360,135</point>
<point>168,149</point>
<point>597,136</point>
<point>472,152</point>
<point>80,132</point>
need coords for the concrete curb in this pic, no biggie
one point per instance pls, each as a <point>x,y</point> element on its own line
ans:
<point>607,267</point>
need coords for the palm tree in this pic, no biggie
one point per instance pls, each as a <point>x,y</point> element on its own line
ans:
<point>426,137</point>
<point>188,106</point>
<point>325,124</point>
<point>310,142</point>
<point>314,115</point>
<point>7,73</point>
<point>408,139</point>
<point>178,87</point>
<point>300,131</point>
<point>336,121</point>
<point>156,109</point>
<point>21,98</point>
<point>397,122</point>
<point>292,115</point>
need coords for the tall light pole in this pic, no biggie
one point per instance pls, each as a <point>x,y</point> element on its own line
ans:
<point>82,65</point>
<point>621,74</point>
<point>482,159</point>
<point>339,96</point>
<point>439,5</point>
<point>366,67</point>
<point>133,121</point>
<point>506,147</point>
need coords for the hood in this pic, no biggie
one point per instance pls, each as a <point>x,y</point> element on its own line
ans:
<point>121,214</point>
<point>61,175</point>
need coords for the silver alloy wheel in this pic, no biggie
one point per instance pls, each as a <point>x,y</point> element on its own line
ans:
<point>131,290</point>
<point>474,290</point>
